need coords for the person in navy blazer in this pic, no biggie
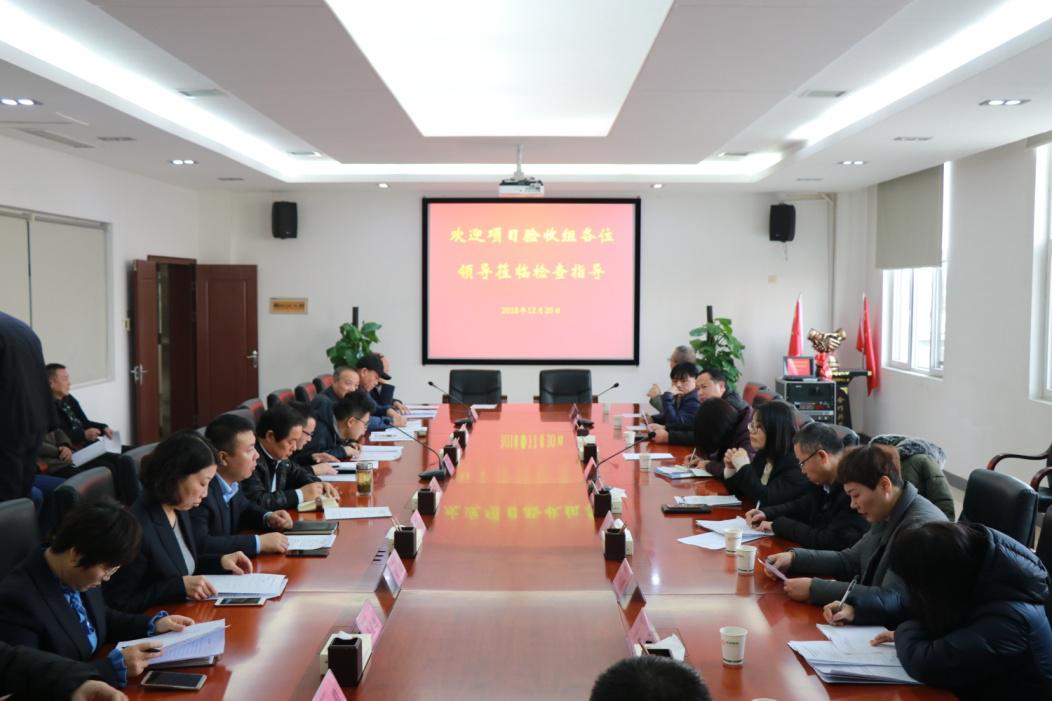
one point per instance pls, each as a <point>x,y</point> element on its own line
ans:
<point>38,599</point>
<point>225,511</point>
<point>175,478</point>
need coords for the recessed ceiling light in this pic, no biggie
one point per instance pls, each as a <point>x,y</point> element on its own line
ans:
<point>26,101</point>
<point>828,94</point>
<point>808,180</point>
<point>195,93</point>
<point>230,179</point>
<point>1007,21</point>
<point>657,186</point>
<point>183,162</point>
<point>382,186</point>
<point>913,138</point>
<point>305,154</point>
<point>733,154</point>
<point>9,101</point>
<point>18,101</point>
<point>852,163</point>
<point>116,138</point>
<point>1004,102</point>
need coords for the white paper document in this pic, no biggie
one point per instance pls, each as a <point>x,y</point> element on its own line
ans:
<point>710,540</point>
<point>481,407</point>
<point>637,427</point>
<point>339,478</point>
<point>390,435</point>
<point>380,452</point>
<point>421,414</point>
<point>343,466</point>
<point>311,542</point>
<point>432,407</point>
<point>255,584</point>
<point>344,512</point>
<point>853,639</point>
<point>825,652</point>
<point>88,453</point>
<point>710,500</point>
<point>200,640</point>
<point>634,416</point>
<point>679,472</point>
<point>112,445</point>
<point>673,644</point>
<point>653,456</point>
<point>737,522</point>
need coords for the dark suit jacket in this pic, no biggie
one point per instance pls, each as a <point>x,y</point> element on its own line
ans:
<point>325,438</point>
<point>155,576</point>
<point>31,674</point>
<point>787,481</point>
<point>34,612</point>
<point>383,395</point>
<point>26,409</point>
<point>216,524</point>
<point>820,519</point>
<point>289,478</point>
<point>64,422</point>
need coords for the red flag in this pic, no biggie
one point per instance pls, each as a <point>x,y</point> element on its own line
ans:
<point>864,344</point>
<point>796,337</point>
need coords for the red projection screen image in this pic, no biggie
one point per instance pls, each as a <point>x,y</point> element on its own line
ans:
<point>543,281</point>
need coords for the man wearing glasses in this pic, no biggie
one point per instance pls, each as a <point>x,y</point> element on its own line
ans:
<point>821,519</point>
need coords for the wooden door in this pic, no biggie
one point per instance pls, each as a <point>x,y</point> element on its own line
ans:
<point>145,368</point>
<point>227,348</point>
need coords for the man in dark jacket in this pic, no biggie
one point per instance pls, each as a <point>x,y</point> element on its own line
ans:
<point>71,417</point>
<point>324,439</point>
<point>710,383</point>
<point>26,411</point>
<point>821,519</point>
<point>26,673</point>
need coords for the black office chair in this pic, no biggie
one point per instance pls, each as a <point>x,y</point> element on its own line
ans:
<point>565,387</point>
<point>279,396</point>
<point>126,482</point>
<point>246,414</point>
<point>475,386</point>
<point>255,408</point>
<point>1044,553</point>
<point>89,486</point>
<point>1003,502</point>
<point>1044,492</point>
<point>306,392</point>
<point>134,459</point>
<point>846,435</point>
<point>18,523</point>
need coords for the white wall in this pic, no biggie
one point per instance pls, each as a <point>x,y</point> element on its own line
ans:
<point>981,406</point>
<point>147,217</point>
<point>363,248</point>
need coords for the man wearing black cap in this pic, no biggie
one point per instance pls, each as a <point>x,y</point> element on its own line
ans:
<point>370,372</point>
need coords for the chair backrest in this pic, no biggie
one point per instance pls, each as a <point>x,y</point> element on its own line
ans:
<point>322,381</point>
<point>474,386</point>
<point>1000,501</point>
<point>18,523</point>
<point>279,396</point>
<point>133,459</point>
<point>763,396</point>
<point>246,414</point>
<point>565,386</point>
<point>89,486</point>
<point>306,392</point>
<point>846,435</point>
<point>1044,553</point>
<point>750,390</point>
<point>255,408</point>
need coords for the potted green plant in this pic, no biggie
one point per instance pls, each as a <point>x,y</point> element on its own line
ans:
<point>354,342</point>
<point>717,347</point>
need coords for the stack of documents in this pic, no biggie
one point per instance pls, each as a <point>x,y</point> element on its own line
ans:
<point>678,472</point>
<point>714,540</point>
<point>710,500</point>
<point>200,640</point>
<point>96,448</point>
<point>341,513</point>
<point>380,452</point>
<point>266,586</point>
<point>311,542</point>
<point>653,456</point>
<point>421,411</point>
<point>848,658</point>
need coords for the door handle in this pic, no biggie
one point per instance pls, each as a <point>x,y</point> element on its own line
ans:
<point>137,372</point>
<point>254,357</point>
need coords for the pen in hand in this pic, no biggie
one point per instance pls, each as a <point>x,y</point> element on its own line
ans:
<point>843,599</point>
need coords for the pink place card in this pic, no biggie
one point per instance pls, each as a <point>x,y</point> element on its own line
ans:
<point>474,414</point>
<point>608,521</point>
<point>397,568</point>
<point>447,463</point>
<point>368,621</point>
<point>418,521</point>
<point>329,690</point>
<point>624,582</point>
<point>642,631</point>
<point>588,467</point>
<point>434,486</point>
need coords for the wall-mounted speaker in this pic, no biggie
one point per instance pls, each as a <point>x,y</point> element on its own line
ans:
<point>783,222</point>
<point>283,220</point>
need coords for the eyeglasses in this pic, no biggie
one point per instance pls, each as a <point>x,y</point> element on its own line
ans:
<point>755,428</point>
<point>309,434</point>
<point>802,462</point>
<point>110,572</point>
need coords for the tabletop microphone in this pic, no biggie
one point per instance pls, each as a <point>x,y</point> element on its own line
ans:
<point>429,473</point>
<point>647,437</point>
<point>459,422</point>
<point>613,386</point>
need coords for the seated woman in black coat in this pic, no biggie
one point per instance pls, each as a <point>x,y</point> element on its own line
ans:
<point>773,476</point>
<point>718,427</point>
<point>972,619</point>
<point>51,601</point>
<point>175,479</point>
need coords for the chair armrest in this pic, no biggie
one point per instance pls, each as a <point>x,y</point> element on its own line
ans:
<point>998,458</point>
<point>1035,481</point>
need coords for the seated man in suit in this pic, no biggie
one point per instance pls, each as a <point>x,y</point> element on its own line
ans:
<point>371,371</point>
<point>302,455</point>
<point>218,520</point>
<point>680,354</point>
<point>52,601</point>
<point>323,441</point>
<point>26,673</point>
<point>71,417</point>
<point>277,483</point>
<point>711,383</point>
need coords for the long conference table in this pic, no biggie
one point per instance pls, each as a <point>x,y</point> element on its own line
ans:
<point>510,596</point>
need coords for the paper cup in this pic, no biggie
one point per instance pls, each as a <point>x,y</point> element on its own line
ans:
<point>746,559</point>
<point>732,641</point>
<point>732,540</point>
<point>644,462</point>
<point>618,421</point>
<point>629,436</point>
<point>606,409</point>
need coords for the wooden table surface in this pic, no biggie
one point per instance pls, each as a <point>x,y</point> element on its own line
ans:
<point>510,596</point>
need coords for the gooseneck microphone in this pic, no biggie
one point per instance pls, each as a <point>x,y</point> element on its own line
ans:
<point>648,437</point>
<point>426,446</point>
<point>459,422</point>
<point>613,386</point>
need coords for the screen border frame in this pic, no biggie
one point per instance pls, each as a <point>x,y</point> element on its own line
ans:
<point>425,353</point>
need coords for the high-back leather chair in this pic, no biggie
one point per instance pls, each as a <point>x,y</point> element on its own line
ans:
<point>246,414</point>
<point>133,458</point>
<point>306,392</point>
<point>475,386</point>
<point>846,435</point>
<point>279,396</point>
<point>565,386</point>
<point>255,408</point>
<point>1003,502</point>
<point>18,523</point>
<point>88,486</point>
<point>750,390</point>
<point>322,381</point>
<point>1044,491</point>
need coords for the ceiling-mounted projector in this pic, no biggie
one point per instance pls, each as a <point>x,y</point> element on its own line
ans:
<point>519,184</point>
